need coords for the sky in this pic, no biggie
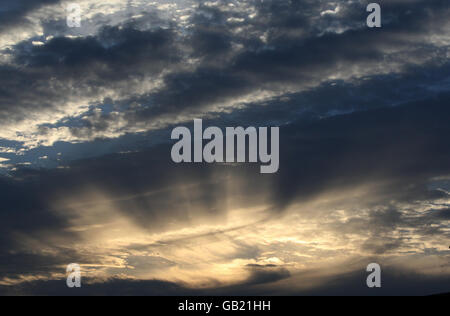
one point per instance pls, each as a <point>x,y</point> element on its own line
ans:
<point>86,174</point>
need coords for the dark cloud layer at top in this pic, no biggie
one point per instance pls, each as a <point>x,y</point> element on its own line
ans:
<point>89,63</point>
<point>296,54</point>
<point>13,12</point>
<point>289,61</point>
<point>112,47</point>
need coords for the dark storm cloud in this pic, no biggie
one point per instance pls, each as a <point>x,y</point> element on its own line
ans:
<point>114,47</point>
<point>405,142</point>
<point>13,12</point>
<point>440,214</point>
<point>210,42</point>
<point>259,276</point>
<point>25,211</point>
<point>24,200</point>
<point>284,61</point>
<point>266,274</point>
<point>114,287</point>
<point>295,55</point>
<point>44,76</point>
<point>394,282</point>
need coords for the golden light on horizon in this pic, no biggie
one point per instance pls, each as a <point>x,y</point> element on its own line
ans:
<point>308,243</point>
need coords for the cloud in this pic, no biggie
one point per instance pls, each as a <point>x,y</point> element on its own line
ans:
<point>364,137</point>
<point>222,67</point>
<point>15,12</point>
<point>253,231</point>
